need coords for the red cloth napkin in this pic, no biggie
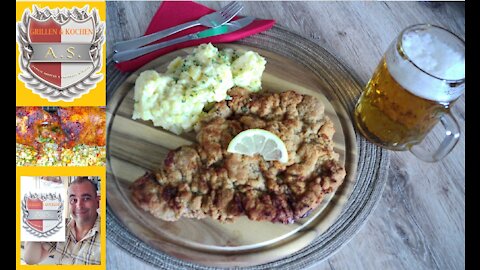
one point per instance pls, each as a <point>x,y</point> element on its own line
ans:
<point>174,13</point>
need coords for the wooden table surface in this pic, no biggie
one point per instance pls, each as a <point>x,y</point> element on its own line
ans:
<point>419,222</point>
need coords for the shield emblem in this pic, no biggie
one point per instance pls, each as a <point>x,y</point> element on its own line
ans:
<point>61,51</point>
<point>42,213</point>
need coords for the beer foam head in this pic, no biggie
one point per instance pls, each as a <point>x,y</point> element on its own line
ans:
<point>435,54</point>
<point>439,54</point>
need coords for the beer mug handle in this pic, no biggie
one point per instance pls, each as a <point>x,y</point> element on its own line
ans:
<point>452,135</point>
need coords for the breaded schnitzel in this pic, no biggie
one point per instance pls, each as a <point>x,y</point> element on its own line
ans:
<point>204,179</point>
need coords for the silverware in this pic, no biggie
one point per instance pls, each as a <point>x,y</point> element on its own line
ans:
<point>214,19</point>
<point>224,29</point>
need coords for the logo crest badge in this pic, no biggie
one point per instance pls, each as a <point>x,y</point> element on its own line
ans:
<point>60,51</point>
<point>42,213</point>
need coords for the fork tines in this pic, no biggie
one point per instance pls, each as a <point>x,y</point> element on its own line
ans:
<point>232,6</point>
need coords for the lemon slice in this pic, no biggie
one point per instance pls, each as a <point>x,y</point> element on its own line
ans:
<point>259,141</point>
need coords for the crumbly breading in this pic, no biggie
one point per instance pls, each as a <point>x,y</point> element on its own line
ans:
<point>204,179</point>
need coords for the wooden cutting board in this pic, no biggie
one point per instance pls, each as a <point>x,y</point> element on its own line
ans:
<point>135,146</point>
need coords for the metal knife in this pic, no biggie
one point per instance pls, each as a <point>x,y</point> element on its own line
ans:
<point>224,29</point>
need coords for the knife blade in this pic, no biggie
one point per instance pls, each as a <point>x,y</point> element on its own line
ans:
<point>220,30</point>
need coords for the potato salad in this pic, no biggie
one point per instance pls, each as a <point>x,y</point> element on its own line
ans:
<point>175,99</point>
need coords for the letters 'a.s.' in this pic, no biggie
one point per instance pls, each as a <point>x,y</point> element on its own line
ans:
<point>60,51</point>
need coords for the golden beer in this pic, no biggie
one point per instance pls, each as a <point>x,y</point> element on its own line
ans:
<point>416,82</point>
<point>391,116</point>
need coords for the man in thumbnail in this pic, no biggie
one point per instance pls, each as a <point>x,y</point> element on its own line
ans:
<point>82,240</point>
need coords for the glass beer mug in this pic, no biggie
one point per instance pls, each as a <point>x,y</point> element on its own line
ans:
<point>414,86</point>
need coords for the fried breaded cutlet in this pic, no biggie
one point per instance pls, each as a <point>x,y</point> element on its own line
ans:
<point>204,180</point>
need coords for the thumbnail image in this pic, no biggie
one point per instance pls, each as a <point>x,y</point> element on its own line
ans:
<point>60,219</point>
<point>60,136</point>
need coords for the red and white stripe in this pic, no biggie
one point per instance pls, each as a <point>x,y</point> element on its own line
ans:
<point>60,74</point>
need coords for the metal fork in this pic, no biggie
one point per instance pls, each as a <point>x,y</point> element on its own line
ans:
<point>214,19</point>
